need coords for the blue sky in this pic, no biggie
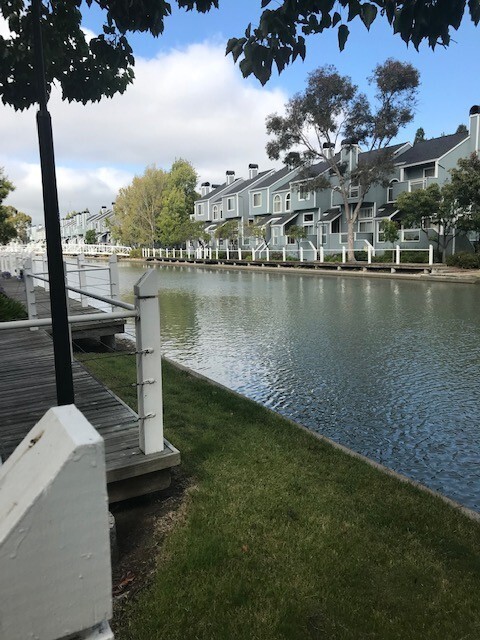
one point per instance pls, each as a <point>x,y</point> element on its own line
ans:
<point>190,101</point>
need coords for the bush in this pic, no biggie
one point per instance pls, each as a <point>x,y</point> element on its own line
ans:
<point>276,255</point>
<point>361,256</point>
<point>11,309</point>
<point>247,256</point>
<point>292,258</point>
<point>387,256</point>
<point>136,253</point>
<point>464,260</point>
<point>418,257</point>
<point>334,257</point>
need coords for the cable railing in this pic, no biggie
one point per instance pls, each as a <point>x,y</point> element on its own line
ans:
<point>145,312</point>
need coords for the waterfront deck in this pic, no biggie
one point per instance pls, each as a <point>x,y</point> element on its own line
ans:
<point>27,391</point>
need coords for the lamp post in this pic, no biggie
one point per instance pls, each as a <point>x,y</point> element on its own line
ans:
<point>56,274</point>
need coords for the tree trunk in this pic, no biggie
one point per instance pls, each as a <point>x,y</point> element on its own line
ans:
<point>350,240</point>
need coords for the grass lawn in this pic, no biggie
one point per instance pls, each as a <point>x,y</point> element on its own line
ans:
<point>285,536</point>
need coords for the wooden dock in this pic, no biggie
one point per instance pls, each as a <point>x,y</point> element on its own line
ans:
<point>27,391</point>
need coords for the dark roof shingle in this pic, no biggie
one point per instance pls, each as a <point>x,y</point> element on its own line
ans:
<point>430,150</point>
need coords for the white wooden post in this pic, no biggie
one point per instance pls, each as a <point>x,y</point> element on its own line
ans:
<point>188,251</point>
<point>55,573</point>
<point>210,253</point>
<point>149,364</point>
<point>30,292</point>
<point>181,253</point>
<point>284,251</point>
<point>369,254</point>
<point>216,253</point>
<point>430,254</point>
<point>322,254</point>
<point>114,278</point>
<point>301,254</point>
<point>239,253</point>
<point>82,278</point>
<point>397,254</point>
<point>228,253</point>
<point>344,254</point>
<point>268,253</point>
<point>46,285</point>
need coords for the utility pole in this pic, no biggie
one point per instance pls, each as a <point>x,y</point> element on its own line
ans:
<point>56,273</point>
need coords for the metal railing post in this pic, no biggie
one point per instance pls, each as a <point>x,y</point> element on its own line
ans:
<point>149,364</point>
<point>114,277</point>
<point>82,278</point>
<point>30,292</point>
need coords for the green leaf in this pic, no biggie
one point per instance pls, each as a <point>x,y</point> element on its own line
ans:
<point>343,32</point>
<point>368,13</point>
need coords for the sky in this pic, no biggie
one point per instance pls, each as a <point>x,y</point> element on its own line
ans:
<point>190,101</point>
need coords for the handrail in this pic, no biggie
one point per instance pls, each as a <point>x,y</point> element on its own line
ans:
<point>87,317</point>
<point>89,294</point>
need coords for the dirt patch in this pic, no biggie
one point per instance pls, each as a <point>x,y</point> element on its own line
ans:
<point>142,526</point>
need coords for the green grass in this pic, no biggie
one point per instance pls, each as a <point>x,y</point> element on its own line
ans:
<point>285,536</point>
<point>11,309</point>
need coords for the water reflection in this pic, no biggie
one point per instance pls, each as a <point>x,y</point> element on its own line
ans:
<point>386,367</point>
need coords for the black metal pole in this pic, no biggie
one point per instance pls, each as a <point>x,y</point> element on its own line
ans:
<point>56,273</point>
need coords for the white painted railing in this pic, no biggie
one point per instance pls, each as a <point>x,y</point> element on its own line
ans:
<point>55,574</point>
<point>147,324</point>
<point>68,249</point>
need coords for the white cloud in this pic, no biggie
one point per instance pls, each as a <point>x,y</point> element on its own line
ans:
<point>189,103</point>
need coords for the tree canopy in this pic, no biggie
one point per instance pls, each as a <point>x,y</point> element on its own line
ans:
<point>156,206</point>
<point>103,66</point>
<point>7,228</point>
<point>331,111</point>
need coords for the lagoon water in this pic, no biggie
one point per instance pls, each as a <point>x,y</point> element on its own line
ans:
<point>387,367</point>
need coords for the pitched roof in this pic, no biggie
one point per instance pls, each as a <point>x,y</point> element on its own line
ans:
<point>274,177</point>
<point>284,219</point>
<point>218,190</point>
<point>430,150</point>
<point>387,210</point>
<point>244,184</point>
<point>369,156</point>
<point>331,214</point>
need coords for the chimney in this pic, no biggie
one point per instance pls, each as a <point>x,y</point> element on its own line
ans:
<point>475,127</point>
<point>230,177</point>
<point>349,153</point>
<point>328,149</point>
<point>204,189</point>
<point>252,170</point>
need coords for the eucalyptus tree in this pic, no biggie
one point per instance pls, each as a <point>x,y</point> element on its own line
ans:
<point>332,111</point>
<point>7,228</point>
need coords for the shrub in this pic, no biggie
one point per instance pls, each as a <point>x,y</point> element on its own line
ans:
<point>292,258</point>
<point>387,256</point>
<point>247,256</point>
<point>276,255</point>
<point>419,257</point>
<point>11,309</point>
<point>136,253</point>
<point>361,256</point>
<point>464,260</point>
<point>333,257</point>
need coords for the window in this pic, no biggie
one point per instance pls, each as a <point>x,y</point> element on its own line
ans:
<point>334,191</point>
<point>354,190</point>
<point>291,240</point>
<point>365,227</point>
<point>336,225</point>
<point>308,223</point>
<point>199,209</point>
<point>365,214</point>
<point>275,234</point>
<point>277,204</point>
<point>230,204</point>
<point>390,196</point>
<point>429,172</point>
<point>287,202</point>
<point>257,199</point>
<point>417,185</point>
<point>215,212</point>
<point>303,193</point>
<point>410,235</point>
<point>343,238</point>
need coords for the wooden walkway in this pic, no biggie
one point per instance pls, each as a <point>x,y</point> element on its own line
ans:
<point>27,391</point>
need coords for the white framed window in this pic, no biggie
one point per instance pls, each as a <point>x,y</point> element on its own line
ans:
<point>429,172</point>
<point>199,209</point>
<point>275,234</point>
<point>303,193</point>
<point>416,185</point>
<point>221,213</point>
<point>307,217</point>
<point>366,213</point>
<point>230,204</point>
<point>332,195</point>
<point>308,223</point>
<point>343,238</point>
<point>215,211</point>
<point>291,240</point>
<point>288,198</point>
<point>380,233</point>
<point>365,226</point>
<point>410,235</point>
<point>257,199</point>
<point>277,204</point>
<point>354,190</point>
<point>390,197</point>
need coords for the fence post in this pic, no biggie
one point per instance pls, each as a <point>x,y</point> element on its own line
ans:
<point>181,254</point>
<point>369,254</point>
<point>239,253</point>
<point>344,254</point>
<point>284,251</point>
<point>301,254</point>
<point>228,252</point>
<point>430,254</point>
<point>322,254</point>
<point>216,253</point>
<point>45,284</point>
<point>82,278</point>
<point>149,364</point>
<point>30,292</point>
<point>114,278</point>
<point>188,252</point>
<point>268,253</point>
<point>210,253</point>
<point>397,254</point>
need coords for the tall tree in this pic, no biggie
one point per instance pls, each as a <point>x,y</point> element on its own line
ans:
<point>137,208</point>
<point>7,228</point>
<point>177,205</point>
<point>21,221</point>
<point>419,135</point>
<point>462,128</point>
<point>332,108</point>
